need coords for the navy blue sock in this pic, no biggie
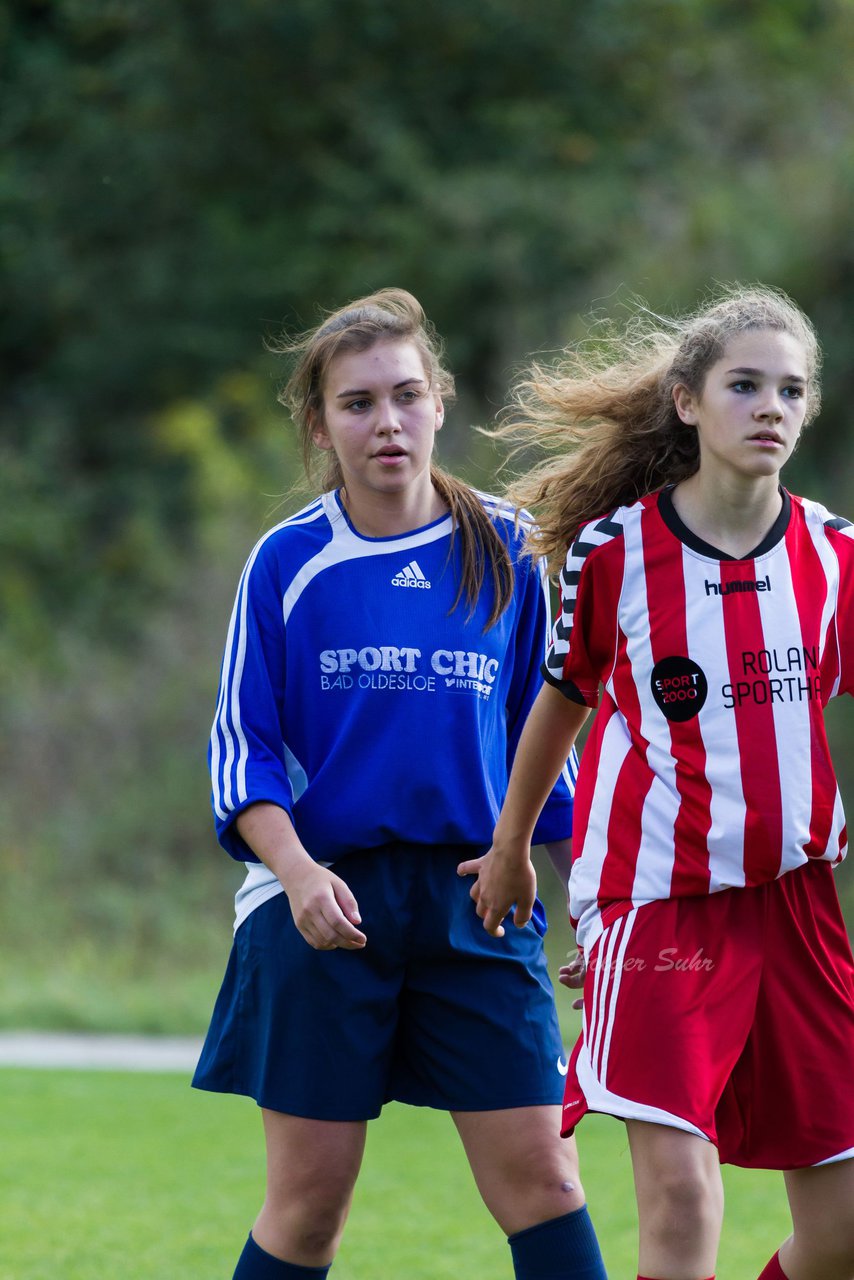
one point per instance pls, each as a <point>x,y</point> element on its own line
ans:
<point>563,1248</point>
<point>255,1263</point>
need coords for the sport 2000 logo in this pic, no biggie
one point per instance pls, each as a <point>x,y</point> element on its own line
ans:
<point>679,687</point>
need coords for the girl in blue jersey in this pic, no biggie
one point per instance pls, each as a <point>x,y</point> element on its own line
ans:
<point>382,656</point>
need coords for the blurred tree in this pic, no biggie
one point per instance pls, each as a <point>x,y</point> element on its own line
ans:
<point>178,179</point>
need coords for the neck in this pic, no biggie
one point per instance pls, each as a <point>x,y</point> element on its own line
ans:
<point>732,514</point>
<point>386,515</point>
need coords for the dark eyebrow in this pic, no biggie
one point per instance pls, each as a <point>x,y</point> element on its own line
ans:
<point>760,373</point>
<point>405,383</point>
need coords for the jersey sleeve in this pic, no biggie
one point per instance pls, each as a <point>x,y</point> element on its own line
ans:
<point>555,821</point>
<point>246,754</point>
<point>583,636</point>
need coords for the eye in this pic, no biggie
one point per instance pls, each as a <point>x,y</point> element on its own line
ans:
<point>743,386</point>
<point>409,396</point>
<point>359,406</point>
<point>793,393</point>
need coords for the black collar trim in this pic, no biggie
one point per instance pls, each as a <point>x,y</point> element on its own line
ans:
<point>684,534</point>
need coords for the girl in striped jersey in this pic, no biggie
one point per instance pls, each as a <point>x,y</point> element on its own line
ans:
<point>382,656</point>
<point>716,612</point>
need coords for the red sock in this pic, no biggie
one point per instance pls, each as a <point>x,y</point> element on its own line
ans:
<point>773,1271</point>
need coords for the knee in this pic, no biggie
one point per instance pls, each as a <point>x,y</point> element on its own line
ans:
<point>684,1205</point>
<point>313,1236</point>
<point>552,1190</point>
<point>549,1166</point>
<point>308,1221</point>
<point>536,1187</point>
<point>305,1234</point>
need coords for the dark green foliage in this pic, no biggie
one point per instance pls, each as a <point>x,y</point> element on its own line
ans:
<point>179,180</point>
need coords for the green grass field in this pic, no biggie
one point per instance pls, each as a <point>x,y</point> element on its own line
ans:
<point>138,1176</point>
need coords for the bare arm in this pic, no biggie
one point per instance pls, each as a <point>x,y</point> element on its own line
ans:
<point>505,874</point>
<point>560,856</point>
<point>324,909</point>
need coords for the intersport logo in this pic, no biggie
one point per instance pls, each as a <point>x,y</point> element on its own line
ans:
<point>411,576</point>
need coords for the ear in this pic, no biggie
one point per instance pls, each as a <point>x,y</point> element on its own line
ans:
<point>685,403</point>
<point>319,436</point>
<point>440,413</point>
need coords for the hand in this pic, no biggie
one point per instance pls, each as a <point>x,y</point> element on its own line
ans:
<point>324,909</point>
<point>502,881</point>
<point>573,975</point>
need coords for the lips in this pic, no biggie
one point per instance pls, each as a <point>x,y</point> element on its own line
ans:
<point>770,436</point>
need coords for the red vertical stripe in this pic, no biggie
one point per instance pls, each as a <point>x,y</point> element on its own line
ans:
<point>633,783</point>
<point>755,730</point>
<point>809,584</point>
<point>625,804</point>
<point>668,636</point>
<point>587,774</point>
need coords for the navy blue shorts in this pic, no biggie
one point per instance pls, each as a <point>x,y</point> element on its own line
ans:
<point>432,1011</point>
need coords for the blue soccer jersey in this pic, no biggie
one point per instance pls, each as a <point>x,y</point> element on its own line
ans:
<point>355,696</point>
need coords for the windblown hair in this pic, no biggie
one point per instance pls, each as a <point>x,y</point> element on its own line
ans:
<point>393,315</point>
<point>607,406</point>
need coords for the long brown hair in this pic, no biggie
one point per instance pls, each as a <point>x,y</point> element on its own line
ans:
<point>607,406</point>
<point>394,315</point>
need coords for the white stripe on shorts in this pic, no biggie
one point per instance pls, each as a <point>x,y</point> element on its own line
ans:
<point>607,977</point>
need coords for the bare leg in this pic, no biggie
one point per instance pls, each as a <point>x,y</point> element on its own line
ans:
<point>680,1201</point>
<point>312,1166</point>
<point>525,1172</point>
<point>822,1205</point>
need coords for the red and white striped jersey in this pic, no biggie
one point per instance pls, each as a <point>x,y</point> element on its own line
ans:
<point>707,766</point>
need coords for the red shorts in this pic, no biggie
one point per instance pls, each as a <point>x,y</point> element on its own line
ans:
<point>730,1016</point>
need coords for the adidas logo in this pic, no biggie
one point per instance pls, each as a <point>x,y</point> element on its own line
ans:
<point>411,576</point>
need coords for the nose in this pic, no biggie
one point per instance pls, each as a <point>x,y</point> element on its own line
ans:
<point>386,422</point>
<point>770,410</point>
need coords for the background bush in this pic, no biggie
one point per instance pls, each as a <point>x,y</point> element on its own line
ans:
<point>178,181</point>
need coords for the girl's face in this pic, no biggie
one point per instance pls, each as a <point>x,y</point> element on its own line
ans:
<point>380,417</point>
<point>751,409</point>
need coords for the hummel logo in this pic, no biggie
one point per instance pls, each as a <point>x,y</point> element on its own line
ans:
<point>411,576</point>
<point>738,584</point>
